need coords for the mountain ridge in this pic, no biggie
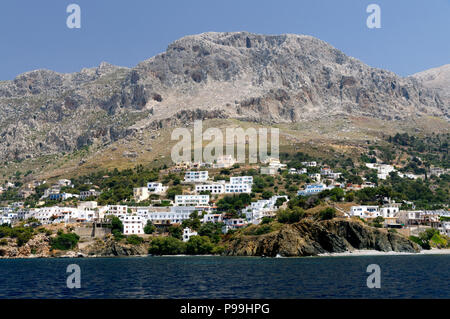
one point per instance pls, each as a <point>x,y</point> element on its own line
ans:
<point>251,77</point>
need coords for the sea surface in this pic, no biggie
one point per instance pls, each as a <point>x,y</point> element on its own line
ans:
<point>402,276</point>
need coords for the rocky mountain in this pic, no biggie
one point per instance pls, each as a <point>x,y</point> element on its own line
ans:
<point>437,79</point>
<point>271,79</point>
<point>309,238</point>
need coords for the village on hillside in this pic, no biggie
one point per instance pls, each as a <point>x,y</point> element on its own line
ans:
<point>229,195</point>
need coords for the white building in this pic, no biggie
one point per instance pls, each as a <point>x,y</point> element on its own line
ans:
<point>233,223</point>
<point>298,171</point>
<point>132,225</point>
<point>224,161</point>
<point>188,233</point>
<point>241,180</point>
<point>89,193</point>
<point>389,210</point>
<point>140,194</point>
<point>262,208</point>
<point>383,170</point>
<point>117,209</point>
<point>64,182</point>
<point>238,188</point>
<point>191,200</point>
<point>365,211</point>
<point>214,188</point>
<point>312,189</point>
<point>156,188</point>
<point>196,176</point>
<point>309,164</point>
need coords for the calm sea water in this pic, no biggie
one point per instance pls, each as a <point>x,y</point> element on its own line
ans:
<point>228,277</point>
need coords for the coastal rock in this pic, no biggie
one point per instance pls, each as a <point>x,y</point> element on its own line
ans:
<point>310,238</point>
<point>110,248</point>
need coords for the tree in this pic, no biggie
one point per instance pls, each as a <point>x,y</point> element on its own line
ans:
<point>176,232</point>
<point>167,246</point>
<point>289,216</point>
<point>199,245</point>
<point>134,240</point>
<point>116,226</point>
<point>149,227</point>
<point>64,241</point>
<point>327,213</point>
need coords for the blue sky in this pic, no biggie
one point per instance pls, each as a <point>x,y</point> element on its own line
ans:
<point>415,34</point>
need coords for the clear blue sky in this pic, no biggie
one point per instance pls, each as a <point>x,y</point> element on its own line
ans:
<point>415,34</point>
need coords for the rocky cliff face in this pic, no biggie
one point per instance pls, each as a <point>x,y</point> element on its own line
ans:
<point>308,238</point>
<point>283,78</point>
<point>39,247</point>
<point>110,248</point>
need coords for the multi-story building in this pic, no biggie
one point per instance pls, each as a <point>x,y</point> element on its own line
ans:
<point>365,211</point>
<point>196,176</point>
<point>238,188</point>
<point>312,189</point>
<point>191,200</point>
<point>262,208</point>
<point>156,188</point>
<point>132,225</point>
<point>140,194</point>
<point>89,193</point>
<point>241,180</point>
<point>214,188</point>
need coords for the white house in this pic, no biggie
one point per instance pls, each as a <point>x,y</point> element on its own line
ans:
<point>89,193</point>
<point>132,225</point>
<point>233,223</point>
<point>191,200</point>
<point>262,208</point>
<point>214,188</point>
<point>309,164</point>
<point>365,211</point>
<point>224,161</point>
<point>64,182</point>
<point>196,176</point>
<point>156,188</point>
<point>312,189</point>
<point>188,233</point>
<point>389,210</point>
<point>241,180</point>
<point>238,188</point>
<point>117,209</point>
<point>140,194</point>
<point>383,170</point>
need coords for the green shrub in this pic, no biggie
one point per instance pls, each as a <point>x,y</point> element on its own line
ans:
<point>149,227</point>
<point>64,241</point>
<point>289,216</point>
<point>263,229</point>
<point>327,213</point>
<point>199,245</point>
<point>135,240</point>
<point>167,246</point>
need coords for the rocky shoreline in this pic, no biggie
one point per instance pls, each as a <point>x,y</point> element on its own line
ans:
<point>312,238</point>
<point>337,237</point>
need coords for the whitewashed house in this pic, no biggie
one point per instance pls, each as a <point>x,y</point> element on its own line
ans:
<point>196,176</point>
<point>188,233</point>
<point>191,200</point>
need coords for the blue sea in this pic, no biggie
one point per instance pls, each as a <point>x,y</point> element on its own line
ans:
<point>402,276</point>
